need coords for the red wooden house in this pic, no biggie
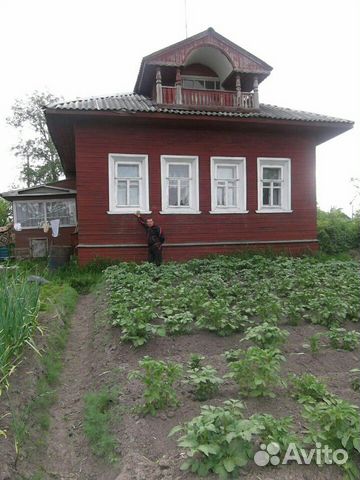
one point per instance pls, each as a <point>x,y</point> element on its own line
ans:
<point>194,148</point>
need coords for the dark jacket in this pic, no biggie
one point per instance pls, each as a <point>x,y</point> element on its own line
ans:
<point>154,234</point>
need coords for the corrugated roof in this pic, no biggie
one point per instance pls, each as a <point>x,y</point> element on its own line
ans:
<point>138,103</point>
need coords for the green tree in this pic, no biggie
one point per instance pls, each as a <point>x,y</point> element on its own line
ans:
<point>337,232</point>
<point>40,160</point>
<point>5,212</point>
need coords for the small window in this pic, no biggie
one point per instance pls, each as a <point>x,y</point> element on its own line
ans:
<point>201,83</point>
<point>274,188</point>
<point>128,183</point>
<point>179,180</point>
<point>64,210</point>
<point>228,185</point>
<point>32,214</point>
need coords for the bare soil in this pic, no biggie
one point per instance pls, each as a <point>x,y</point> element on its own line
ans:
<point>95,358</point>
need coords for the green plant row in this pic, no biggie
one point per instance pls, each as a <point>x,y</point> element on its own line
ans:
<point>19,306</point>
<point>226,294</point>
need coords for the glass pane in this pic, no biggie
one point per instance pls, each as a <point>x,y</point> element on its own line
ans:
<point>30,214</point>
<point>121,193</point>
<point>184,193</point>
<point>277,196</point>
<point>173,193</point>
<point>226,172</point>
<point>231,195</point>
<point>199,84</point>
<point>210,84</point>
<point>187,83</point>
<point>220,196</point>
<point>64,210</point>
<point>134,193</point>
<point>127,170</point>
<point>271,173</point>
<point>266,196</point>
<point>178,171</point>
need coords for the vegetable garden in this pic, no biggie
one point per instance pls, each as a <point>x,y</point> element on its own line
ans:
<point>255,306</point>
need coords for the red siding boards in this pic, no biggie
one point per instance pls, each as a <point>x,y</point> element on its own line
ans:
<point>95,140</point>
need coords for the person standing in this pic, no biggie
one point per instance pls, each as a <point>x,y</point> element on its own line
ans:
<point>155,239</point>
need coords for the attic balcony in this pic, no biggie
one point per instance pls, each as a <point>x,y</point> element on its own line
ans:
<point>219,99</point>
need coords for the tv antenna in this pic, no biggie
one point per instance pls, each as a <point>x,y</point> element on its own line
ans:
<point>186,26</point>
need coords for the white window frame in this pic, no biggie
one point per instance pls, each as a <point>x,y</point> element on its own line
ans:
<point>193,162</point>
<point>240,164</point>
<point>126,158</point>
<point>285,166</point>
<point>44,202</point>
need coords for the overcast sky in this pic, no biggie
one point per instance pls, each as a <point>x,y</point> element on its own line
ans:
<point>79,48</point>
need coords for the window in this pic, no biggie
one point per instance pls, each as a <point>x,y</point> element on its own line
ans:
<point>274,185</point>
<point>32,214</point>
<point>228,185</point>
<point>128,183</point>
<point>201,83</point>
<point>179,184</point>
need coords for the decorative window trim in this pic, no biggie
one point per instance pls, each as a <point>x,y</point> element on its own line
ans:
<point>44,202</point>
<point>285,165</point>
<point>143,161</point>
<point>193,207</point>
<point>240,163</point>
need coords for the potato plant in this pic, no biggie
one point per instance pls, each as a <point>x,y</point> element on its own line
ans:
<point>308,389</point>
<point>342,339</point>
<point>158,378</point>
<point>219,440</point>
<point>266,335</point>
<point>336,423</point>
<point>225,294</point>
<point>204,381</point>
<point>276,430</point>
<point>257,371</point>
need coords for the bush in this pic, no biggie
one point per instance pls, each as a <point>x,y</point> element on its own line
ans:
<point>337,232</point>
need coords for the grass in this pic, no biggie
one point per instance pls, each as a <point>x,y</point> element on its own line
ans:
<point>99,413</point>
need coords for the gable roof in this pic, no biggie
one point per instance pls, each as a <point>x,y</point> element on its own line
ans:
<point>176,55</point>
<point>45,190</point>
<point>139,103</point>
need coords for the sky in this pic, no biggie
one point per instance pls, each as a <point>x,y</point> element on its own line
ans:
<point>81,48</point>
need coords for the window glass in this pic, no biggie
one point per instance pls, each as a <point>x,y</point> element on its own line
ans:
<point>226,172</point>
<point>134,193</point>
<point>122,193</point>
<point>127,170</point>
<point>30,214</point>
<point>64,210</point>
<point>271,173</point>
<point>179,171</point>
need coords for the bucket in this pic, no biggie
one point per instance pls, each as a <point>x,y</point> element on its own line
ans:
<point>4,253</point>
<point>59,256</point>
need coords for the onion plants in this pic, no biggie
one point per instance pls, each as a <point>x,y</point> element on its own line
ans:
<point>19,306</point>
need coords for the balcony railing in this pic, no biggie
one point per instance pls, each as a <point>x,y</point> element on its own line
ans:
<point>187,97</point>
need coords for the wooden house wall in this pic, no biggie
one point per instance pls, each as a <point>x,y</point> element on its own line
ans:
<point>94,142</point>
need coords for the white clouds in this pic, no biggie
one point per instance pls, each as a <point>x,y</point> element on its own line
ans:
<point>83,48</point>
